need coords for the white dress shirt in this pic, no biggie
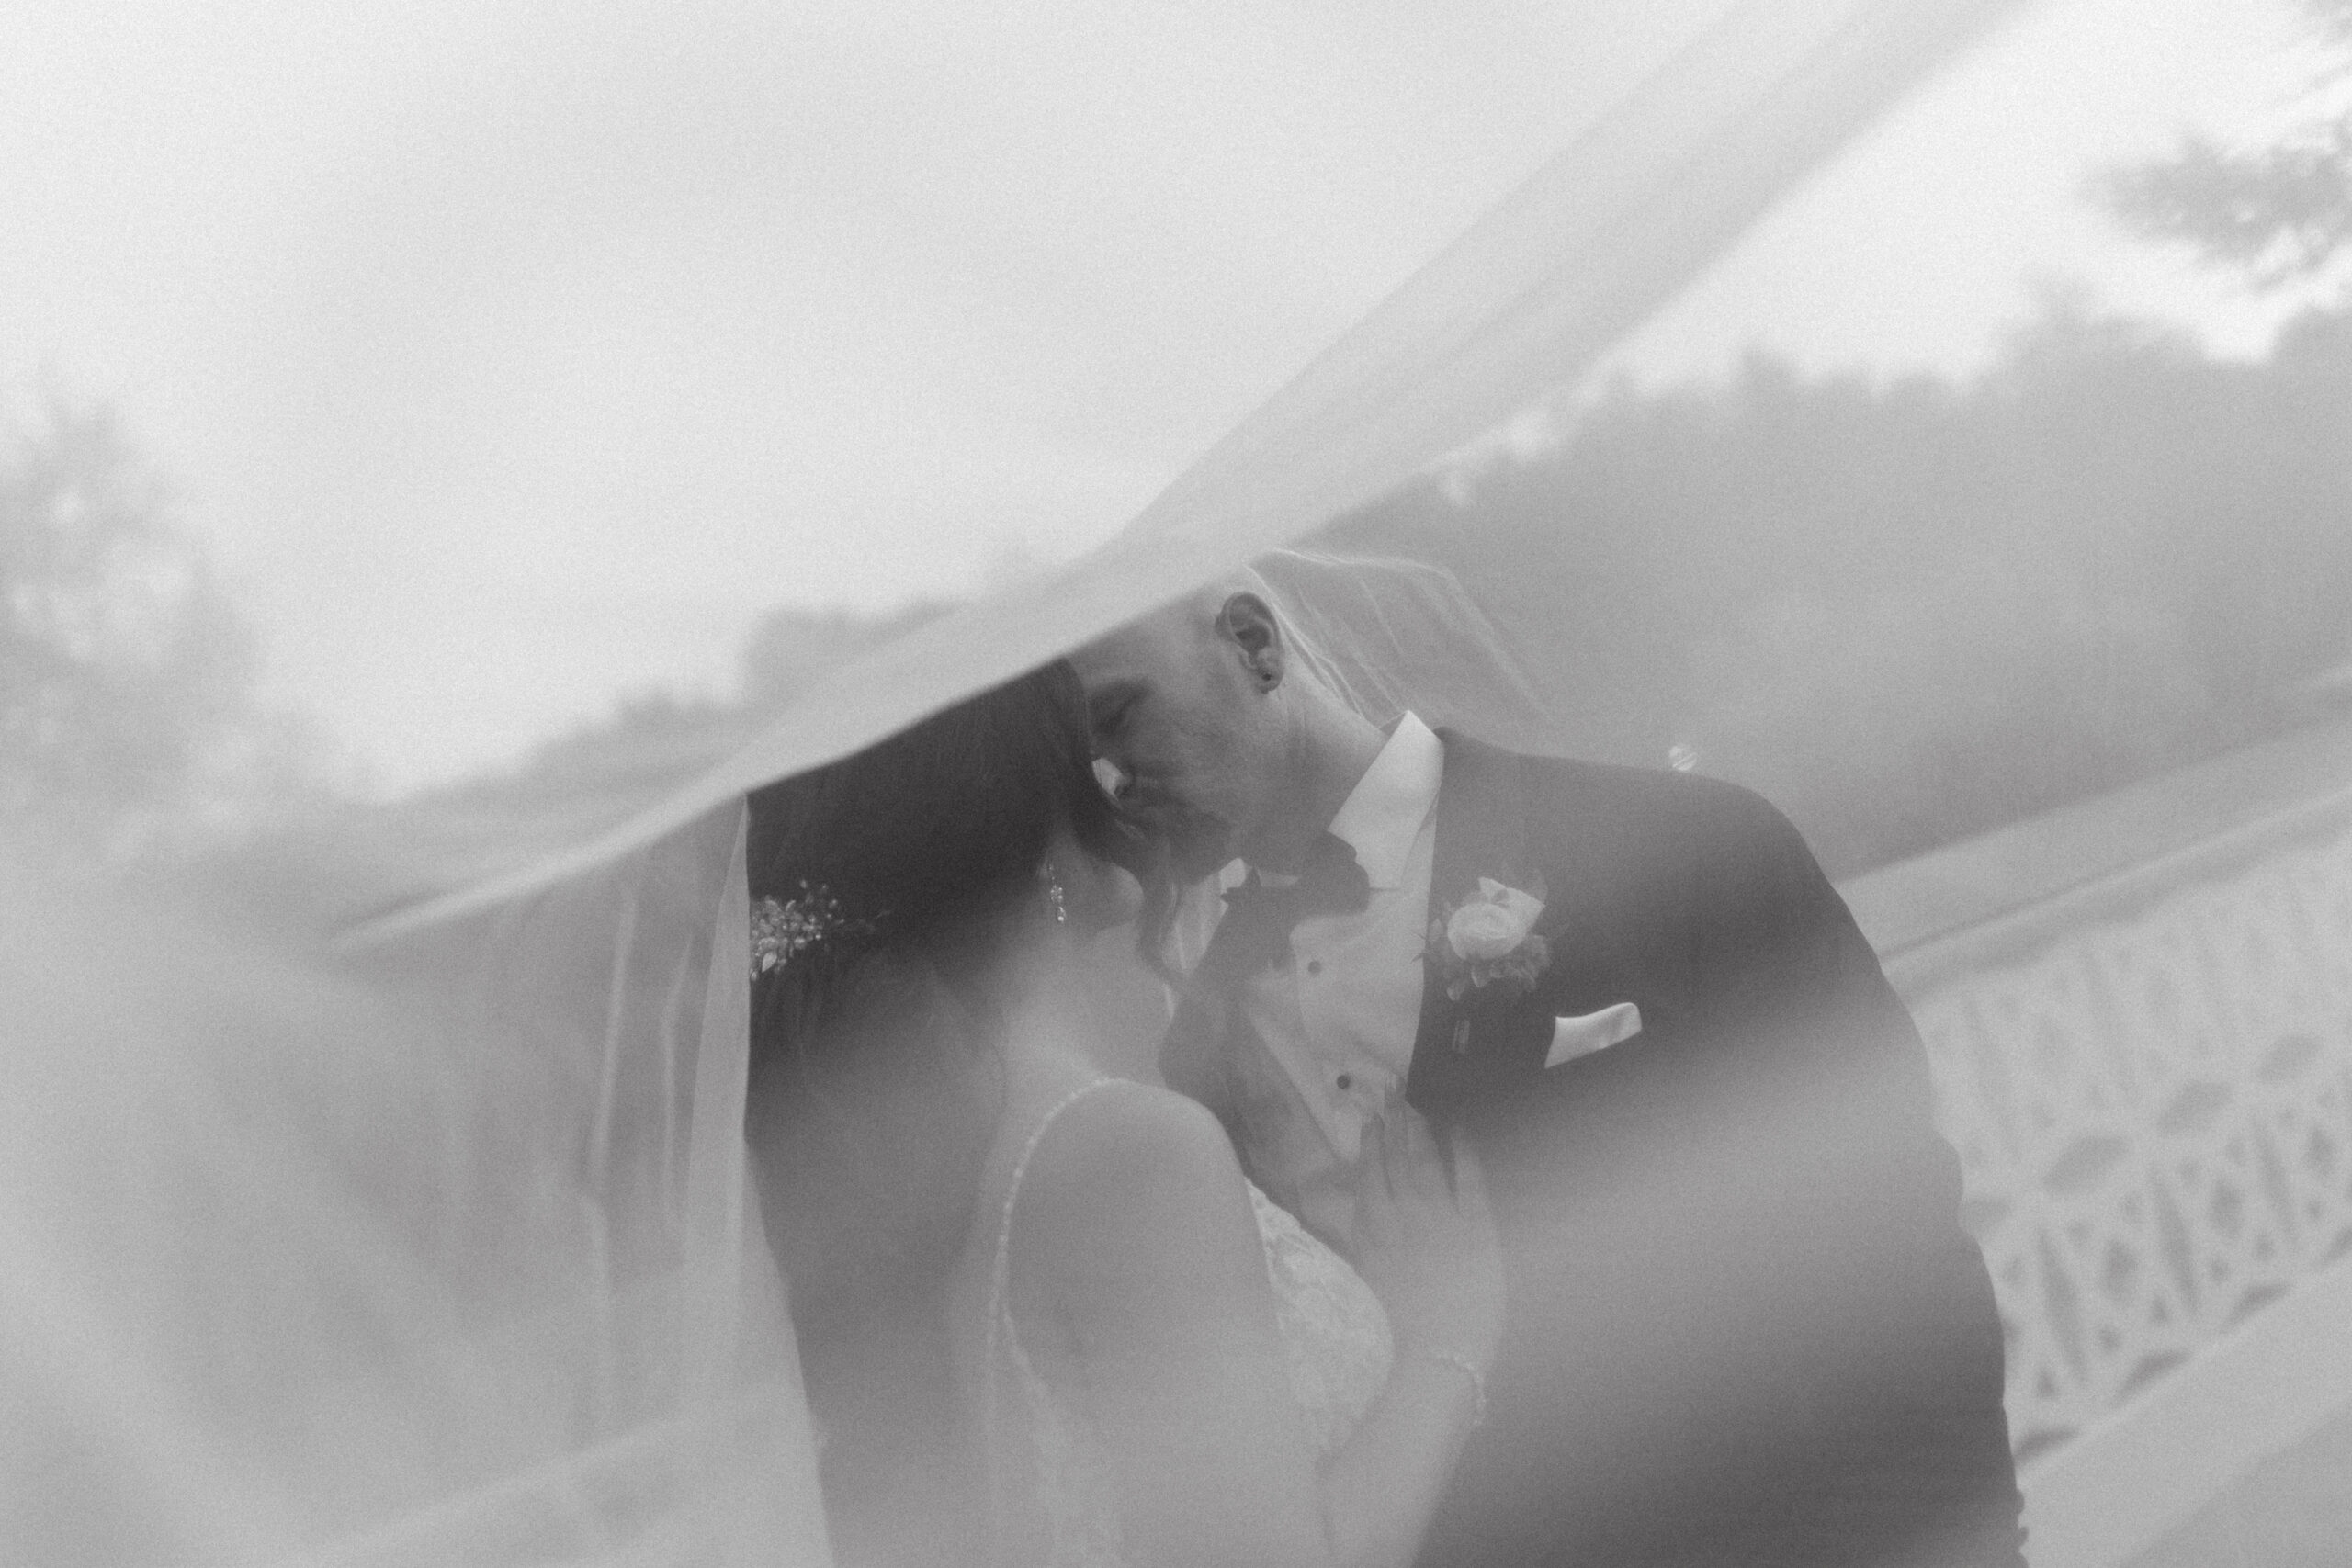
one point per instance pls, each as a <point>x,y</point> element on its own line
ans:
<point>1337,1019</point>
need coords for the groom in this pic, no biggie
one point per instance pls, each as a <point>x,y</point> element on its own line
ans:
<point>1744,1324</point>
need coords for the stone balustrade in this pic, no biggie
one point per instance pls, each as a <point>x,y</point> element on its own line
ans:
<point>2155,1116</point>
<point>2138,1012</point>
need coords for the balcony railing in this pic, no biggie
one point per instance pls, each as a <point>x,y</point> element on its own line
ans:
<point>2139,1015</point>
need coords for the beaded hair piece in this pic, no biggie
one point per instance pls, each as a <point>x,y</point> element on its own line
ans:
<point>782,930</point>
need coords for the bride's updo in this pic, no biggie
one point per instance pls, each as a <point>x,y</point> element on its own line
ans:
<point>897,877</point>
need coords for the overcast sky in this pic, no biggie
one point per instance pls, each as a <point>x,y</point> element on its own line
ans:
<point>512,355</point>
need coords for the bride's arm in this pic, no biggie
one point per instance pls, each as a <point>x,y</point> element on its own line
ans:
<point>1426,1242</point>
<point>1135,1234</point>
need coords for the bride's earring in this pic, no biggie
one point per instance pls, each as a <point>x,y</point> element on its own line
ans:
<point>1056,899</point>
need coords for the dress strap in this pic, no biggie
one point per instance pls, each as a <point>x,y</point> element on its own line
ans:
<point>1002,1337</point>
<point>1001,1275</point>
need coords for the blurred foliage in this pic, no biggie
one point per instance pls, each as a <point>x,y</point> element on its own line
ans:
<point>654,739</point>
<point>127,722</point>
<point>655,736</point>
<point>1909,611</point>
<point>791,648</point>
<point>2276,213</point>
<point>1906,611</point>
<point>327,867</point>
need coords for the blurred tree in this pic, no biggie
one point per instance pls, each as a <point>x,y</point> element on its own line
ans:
<point>127,715</point>
<point>652,740</point>
<point>2276,213</point>
<point>1912,610</point>
<point>792,647</point>
<point>338,865</point>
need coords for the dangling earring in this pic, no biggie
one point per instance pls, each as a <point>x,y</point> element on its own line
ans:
<point>1056,899</point>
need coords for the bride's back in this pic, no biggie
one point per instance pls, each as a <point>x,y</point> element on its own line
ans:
<point>893,889</point>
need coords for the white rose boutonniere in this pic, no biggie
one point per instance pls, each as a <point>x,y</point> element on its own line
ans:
<point>1490,939</point>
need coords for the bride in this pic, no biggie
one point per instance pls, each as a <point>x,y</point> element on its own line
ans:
<point>1043,1316</point>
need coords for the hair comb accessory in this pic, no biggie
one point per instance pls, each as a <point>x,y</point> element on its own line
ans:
<point>784,930</point>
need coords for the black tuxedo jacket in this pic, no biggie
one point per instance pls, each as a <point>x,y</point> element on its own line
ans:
<point>1744,1324</point>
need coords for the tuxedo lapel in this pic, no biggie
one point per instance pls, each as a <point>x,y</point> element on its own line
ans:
<point>1482,831</point>
<point>1481,820</point>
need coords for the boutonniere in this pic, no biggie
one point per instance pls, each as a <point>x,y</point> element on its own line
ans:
<point>1490,939</point>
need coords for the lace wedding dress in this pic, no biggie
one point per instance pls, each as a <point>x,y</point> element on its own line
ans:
<point>1056,1502</point>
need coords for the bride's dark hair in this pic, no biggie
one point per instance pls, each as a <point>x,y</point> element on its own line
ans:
<point>876,1081</point>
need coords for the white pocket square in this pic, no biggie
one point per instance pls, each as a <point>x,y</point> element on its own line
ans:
<point>1587,1033</point>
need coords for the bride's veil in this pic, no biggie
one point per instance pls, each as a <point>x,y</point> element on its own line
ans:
<point>445,1252</point>
<point>1388,635</point>
<point>429,1255</point>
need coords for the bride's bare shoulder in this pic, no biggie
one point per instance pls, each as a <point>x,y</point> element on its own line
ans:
<point>1126,1131</point>
<point>1132,1164</point>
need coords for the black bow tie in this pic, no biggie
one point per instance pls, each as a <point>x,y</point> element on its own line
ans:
<point>1254,936</point>
<point>1255,932</point>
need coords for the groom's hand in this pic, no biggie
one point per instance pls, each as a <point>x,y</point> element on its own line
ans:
<point>1426,1239</point>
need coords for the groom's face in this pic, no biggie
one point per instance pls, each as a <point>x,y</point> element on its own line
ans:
<point>1175,710</point>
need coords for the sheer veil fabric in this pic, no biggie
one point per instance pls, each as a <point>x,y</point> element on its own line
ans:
<point>399,1262</point>
<point>443,1251</point>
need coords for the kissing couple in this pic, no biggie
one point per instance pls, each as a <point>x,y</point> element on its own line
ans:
<point>1542,1169</point>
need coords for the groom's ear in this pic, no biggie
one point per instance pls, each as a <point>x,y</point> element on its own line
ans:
<point>1246,622</point>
